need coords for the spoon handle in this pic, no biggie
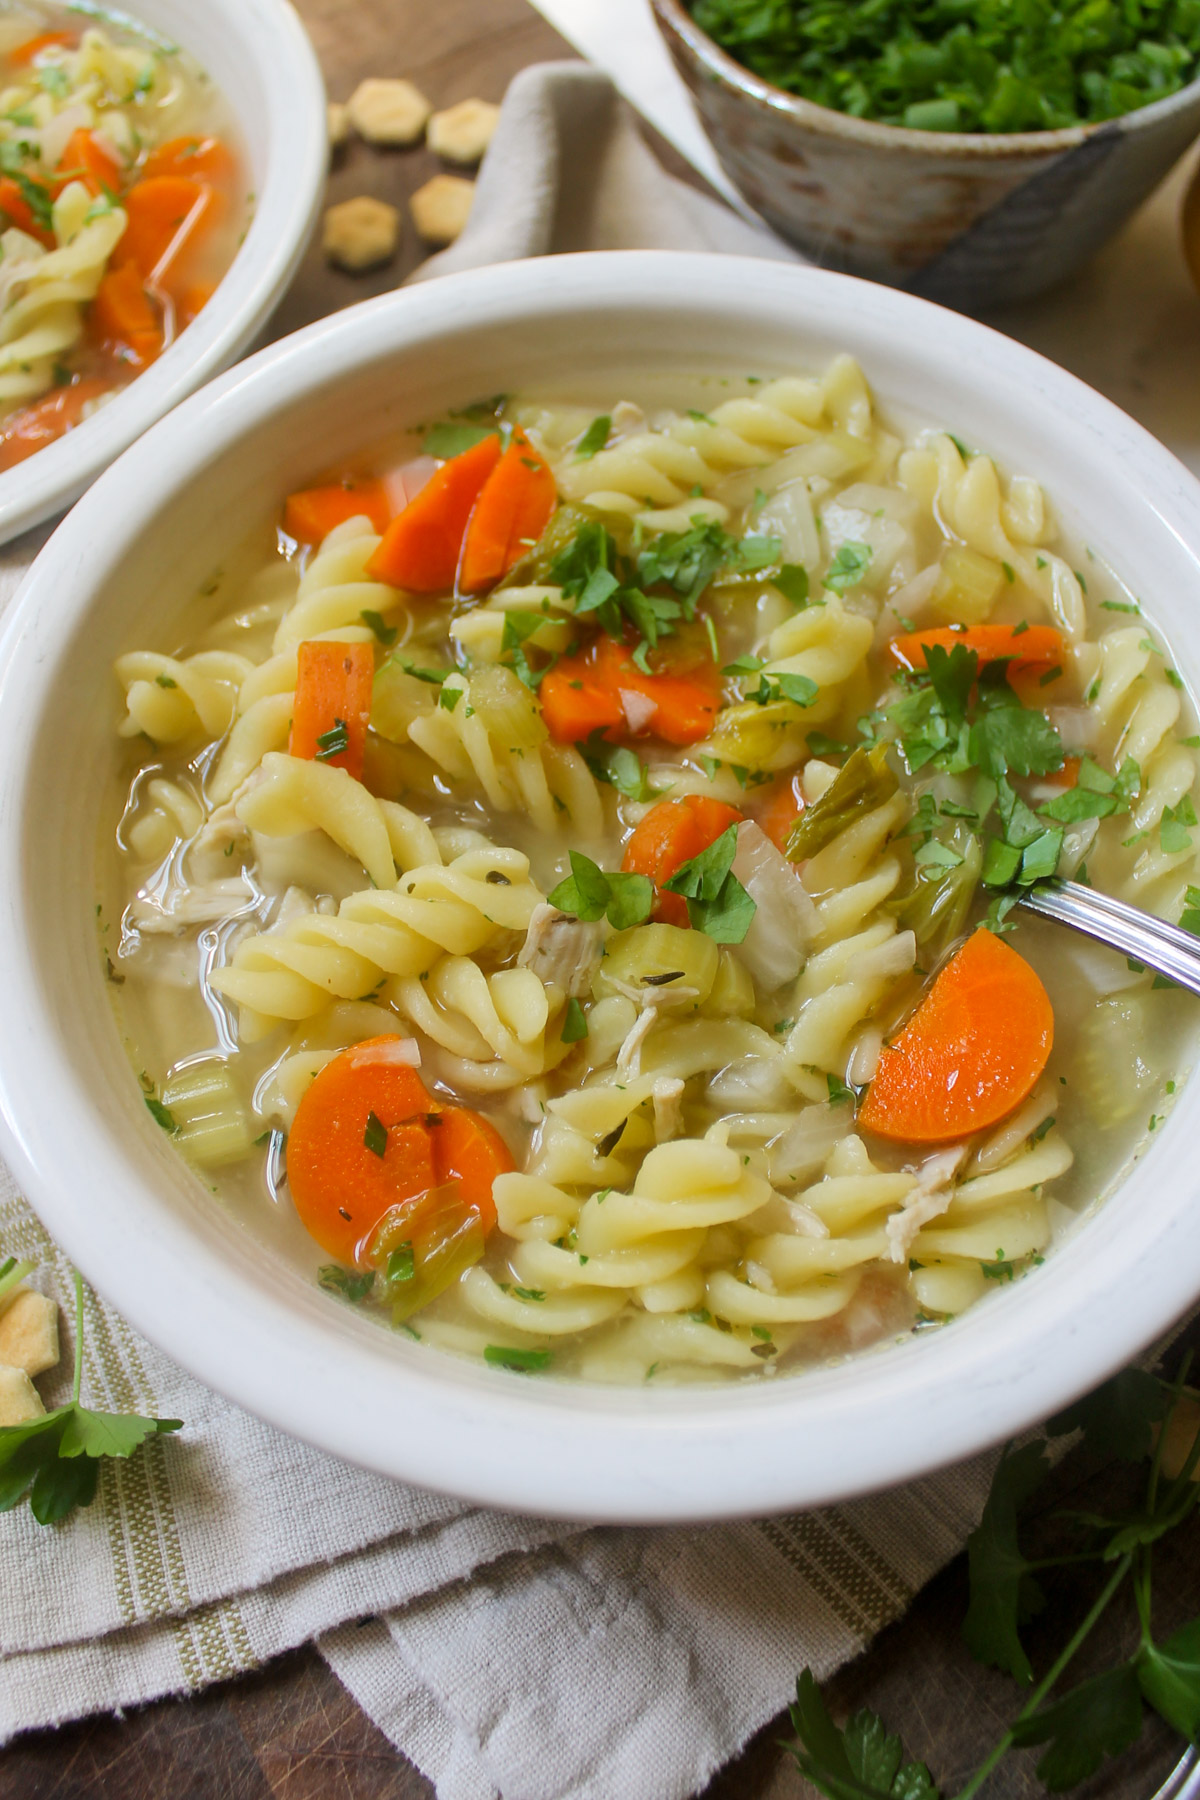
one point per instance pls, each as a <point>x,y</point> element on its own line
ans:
<point>1166,949</point>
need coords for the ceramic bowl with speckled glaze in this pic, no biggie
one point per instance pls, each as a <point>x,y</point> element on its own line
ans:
<point>969,219</point>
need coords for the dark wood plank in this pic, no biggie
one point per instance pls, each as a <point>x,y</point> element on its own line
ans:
<point>453,50</point>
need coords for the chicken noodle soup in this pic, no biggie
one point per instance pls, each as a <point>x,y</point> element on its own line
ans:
<point>121,207</point>
<point>568,874</point>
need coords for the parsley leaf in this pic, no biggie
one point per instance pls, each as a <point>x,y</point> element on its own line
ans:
<point>375,1137</point>
<point>55,1459</point>
<point>384,632</point>
<point>717,902</point>
<point>349,1283</point>
<point>575,1025</point>
<point>1101,1716</point>
<point>593,439</point>
<point>1117,1419</point>
<point>619,766</point>
<point>792,582</point>
<point>507,1356</point>
<point>453,437</point>
<point>848,567</point>
<point>862,1763</point>
<point>1002,1589</point>
<point>590,893</point>
<point>1169,1677</point>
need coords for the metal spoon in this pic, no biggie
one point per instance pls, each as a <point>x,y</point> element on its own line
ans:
<point>1166,949</point>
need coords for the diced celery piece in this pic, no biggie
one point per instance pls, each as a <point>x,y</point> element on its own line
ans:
<point>732,995</point>
<point>750,736</point>
<point>864,782</point>
<point>421,1246</point>
<point>967,587</point>
<point>507,709</point>
<point>646,955</point>
<point>398,698</point>
<point>213,1125</point>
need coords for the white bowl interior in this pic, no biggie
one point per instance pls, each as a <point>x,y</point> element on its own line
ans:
<point>146,1230</point>
<point>258,56</point>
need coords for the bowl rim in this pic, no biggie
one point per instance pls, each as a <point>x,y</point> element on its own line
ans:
<point>284,213</point>
<point>674,21</point>
<point>625,1455</point>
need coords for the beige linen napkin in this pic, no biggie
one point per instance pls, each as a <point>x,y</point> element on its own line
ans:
<point>504,1656</point>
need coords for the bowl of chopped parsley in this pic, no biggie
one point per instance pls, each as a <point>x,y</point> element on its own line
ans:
<point>973,151</point>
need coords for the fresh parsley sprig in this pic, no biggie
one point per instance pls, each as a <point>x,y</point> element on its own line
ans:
<point>55,1459</point>
<point>717,902</point>
<point>1128,1418</point>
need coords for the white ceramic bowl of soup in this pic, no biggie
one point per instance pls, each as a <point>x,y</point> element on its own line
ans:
<point>146,1230</point>
<point>257,54</point>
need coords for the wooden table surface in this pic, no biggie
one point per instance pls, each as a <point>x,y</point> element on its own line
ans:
<point>290,1731</point>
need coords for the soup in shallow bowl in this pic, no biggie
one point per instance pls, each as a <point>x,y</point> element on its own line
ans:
<point>561,899</point>
<point>160,177</point>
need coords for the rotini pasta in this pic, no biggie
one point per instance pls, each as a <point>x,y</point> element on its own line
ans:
<point>582,935</point>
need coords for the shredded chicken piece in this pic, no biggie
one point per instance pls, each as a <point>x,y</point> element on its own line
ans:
<point>627,418</point>
<point>629,1056</point>
<point>562,951</point>
<point>178,907</point>
<point>667,1095</point>
<point>806,1221</point>
<point>929,1199</point>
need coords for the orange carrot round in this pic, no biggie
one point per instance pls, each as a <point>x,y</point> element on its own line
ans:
<point>971,1053</point>
<point>311,514</point>
<point>468,1149</point>
<point>368,1135</point>
<point>340,1186</point>
<point>512,511</point>
<point>1037,644</point>
<point>422,545</point>
<point>332,706</point>
<point>669,835</point>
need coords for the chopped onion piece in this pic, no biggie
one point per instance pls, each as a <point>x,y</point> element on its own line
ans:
<point>776,945</point>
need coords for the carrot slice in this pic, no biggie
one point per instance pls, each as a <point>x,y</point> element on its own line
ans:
<point>20,213</point>
<point>58,412</point>
<point>671,834</point>
<point>782,810</point>
<point>340,1186</point>
<point>312,513</point>
<point>123,318</point>
<point>1039,644</point>
<point>333,703</point>
<point>582,694</point>
<point>1068,775</point>
<point>468,1149</point>
<point>972,1052</point>
<point>203,159</point>
<point>88,160</point>
<point>24,54</point>
<point>369,1140</point>
<point>165,215</point>
<point>512,511</point>
<point>422,545</point>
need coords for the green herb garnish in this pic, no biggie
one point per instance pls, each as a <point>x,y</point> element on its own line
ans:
<point>56,1459</point>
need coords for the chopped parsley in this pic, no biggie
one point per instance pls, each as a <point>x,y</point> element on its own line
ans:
<point>575,1025</point>
<point>375,1137</point>
<point>508,1356</point>
<point>593,439</point>
<point>333,742</point>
